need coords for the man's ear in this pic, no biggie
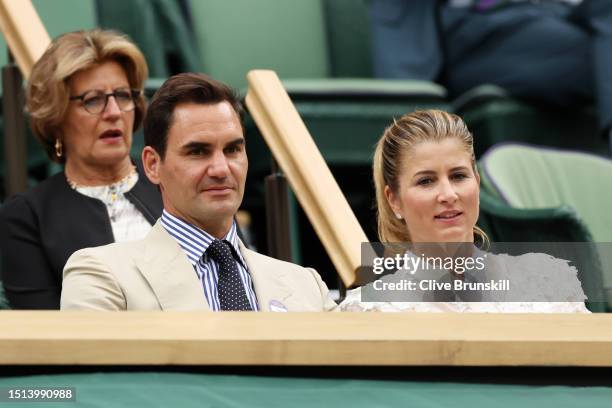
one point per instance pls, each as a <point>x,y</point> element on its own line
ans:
<point>151,161</point>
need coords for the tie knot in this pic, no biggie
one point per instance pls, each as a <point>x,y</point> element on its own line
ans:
<point>220,251</point>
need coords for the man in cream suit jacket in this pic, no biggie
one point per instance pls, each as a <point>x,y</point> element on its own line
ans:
<point>192,258</point>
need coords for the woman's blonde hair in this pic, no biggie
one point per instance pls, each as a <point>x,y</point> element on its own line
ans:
<point>48,93</point>
<point>392,148</point>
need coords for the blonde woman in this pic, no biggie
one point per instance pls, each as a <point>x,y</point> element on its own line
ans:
<point>427,194</point>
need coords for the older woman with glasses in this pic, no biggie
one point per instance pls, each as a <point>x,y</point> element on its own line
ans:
<point>85,100</point>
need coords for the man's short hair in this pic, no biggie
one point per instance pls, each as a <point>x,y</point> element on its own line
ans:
<point>179,89</point>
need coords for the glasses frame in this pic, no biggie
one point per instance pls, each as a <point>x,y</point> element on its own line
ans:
<point>135,93</point>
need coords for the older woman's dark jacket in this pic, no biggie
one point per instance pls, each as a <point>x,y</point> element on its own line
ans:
<point>41,228</point>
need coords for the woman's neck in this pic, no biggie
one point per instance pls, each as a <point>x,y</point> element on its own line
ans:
<point>86,175</point>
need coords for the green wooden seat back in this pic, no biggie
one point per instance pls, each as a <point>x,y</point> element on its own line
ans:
<point>528,177</point>
<point>496,117</point>
<point>159,29</point>
<point>239,35</point>
<point>349,38</point>
<point>504,223</point>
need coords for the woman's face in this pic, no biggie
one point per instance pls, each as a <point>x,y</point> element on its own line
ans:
<point>102,139</point>
<point>438,193</point>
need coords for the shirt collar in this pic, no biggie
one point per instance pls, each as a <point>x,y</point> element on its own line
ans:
<point>195,241</point>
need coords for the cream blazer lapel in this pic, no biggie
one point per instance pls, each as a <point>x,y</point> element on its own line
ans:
<point>169,273</point>
<point>268,280</point>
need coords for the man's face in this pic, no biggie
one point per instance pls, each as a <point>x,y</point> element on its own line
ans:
<point>203,173</point>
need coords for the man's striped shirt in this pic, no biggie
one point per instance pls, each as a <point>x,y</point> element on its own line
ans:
<point>194,242</point>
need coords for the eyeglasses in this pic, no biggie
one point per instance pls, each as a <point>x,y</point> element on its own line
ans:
<point>95,102</point>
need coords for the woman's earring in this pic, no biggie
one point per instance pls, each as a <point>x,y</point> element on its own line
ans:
<point>398,216</point>
<point>58,148</point>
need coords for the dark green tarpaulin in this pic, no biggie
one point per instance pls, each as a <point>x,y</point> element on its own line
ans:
<point>151,390</point>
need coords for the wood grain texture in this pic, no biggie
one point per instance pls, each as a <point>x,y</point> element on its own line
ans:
<point>24,33</point>
<point>311,180</point>
<point>233,338</point>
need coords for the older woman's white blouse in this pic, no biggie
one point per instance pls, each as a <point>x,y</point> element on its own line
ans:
<point>128,224</point>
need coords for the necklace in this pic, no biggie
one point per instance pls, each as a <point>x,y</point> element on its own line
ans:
<point>74,185</point>
<point>112,195</point>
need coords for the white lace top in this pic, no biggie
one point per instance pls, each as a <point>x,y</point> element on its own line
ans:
<point>127,222</point>
<point>533,276</point>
